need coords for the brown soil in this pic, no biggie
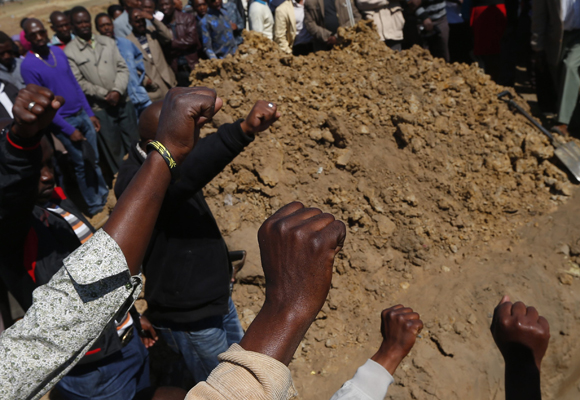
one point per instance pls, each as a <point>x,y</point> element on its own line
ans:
<point>450,200</point>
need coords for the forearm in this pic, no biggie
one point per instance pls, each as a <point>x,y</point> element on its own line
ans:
<point>131,222</point>
<point>276,332</point>
<point>522,382</point>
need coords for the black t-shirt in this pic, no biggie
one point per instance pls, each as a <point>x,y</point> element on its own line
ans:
<point>330,17</point>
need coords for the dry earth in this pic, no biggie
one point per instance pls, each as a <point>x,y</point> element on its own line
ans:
<point>450,200</point>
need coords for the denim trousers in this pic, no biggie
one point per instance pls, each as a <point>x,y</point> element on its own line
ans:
<point>118,377</point>
<point>90,180</point>
<point>200,348</point>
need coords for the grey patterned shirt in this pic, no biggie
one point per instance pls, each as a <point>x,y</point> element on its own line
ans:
<point>67,315</point>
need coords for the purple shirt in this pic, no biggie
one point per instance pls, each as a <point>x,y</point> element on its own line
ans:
<point>61,81</point>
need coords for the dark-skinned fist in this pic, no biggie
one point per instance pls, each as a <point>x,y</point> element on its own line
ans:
<point>297,247</point>
<point>399,326</point>
<point>113,98</point>
<point>518,330</point>
<point>185,111</point>
<point>28,123</point>
<point>331,41</point>
<point>148,334</point>
<point>262,116</point>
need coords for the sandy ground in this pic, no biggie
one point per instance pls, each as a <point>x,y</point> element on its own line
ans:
<point>12,13</point>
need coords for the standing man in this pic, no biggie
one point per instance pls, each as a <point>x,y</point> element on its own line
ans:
<point>103,75</point>
<point>323,18</point>
<point>432,17</point>
<point>74,122</point>
<point>236,21</point>
<point>556,38</point>
<point>122,26</point>
<point>388,18</point>
<point>290,33</point>
<point>217,34</point>
<point>134,60</point>
<point>10,62</point>
<point>151,41</point>
<point>182,54</point>
<point>60,24</point>
<point>187,263</point>
<point>261,18</point>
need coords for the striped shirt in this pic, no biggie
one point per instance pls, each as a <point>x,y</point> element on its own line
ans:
<point>144,44</point>
<point>81,230</point>
<point>433,9</point>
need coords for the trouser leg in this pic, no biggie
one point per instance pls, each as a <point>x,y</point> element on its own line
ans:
<point>569,78</point>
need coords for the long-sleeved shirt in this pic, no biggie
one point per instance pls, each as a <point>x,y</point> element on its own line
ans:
<point>217,35</point>
<point>370,382</point>
<point>68,314</point>
<point>134,60</point>
<point>55,73</point>
<point>261,18</point>
<point>13,74</point>
<point>433,9</point>
<point>234,16</point>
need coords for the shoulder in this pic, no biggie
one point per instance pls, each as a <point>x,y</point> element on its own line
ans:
<point>185,17</point>
<point>105,40</point>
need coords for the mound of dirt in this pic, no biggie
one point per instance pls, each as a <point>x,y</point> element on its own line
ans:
<point>423,163</point>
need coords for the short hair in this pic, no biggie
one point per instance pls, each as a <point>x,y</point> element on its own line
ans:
<point>5,38</point>
<point>101,15</point>
<point>113,9</point>
<point>55,14</point>
<point>22,21</point>
<point>78,9</point>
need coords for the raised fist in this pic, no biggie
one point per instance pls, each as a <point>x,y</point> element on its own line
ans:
<point>519,331</point>
<point>31,120</point>
<point>399,326</point>
<point>297,247</point>
<point>184,112</point>
<point>262,116</point>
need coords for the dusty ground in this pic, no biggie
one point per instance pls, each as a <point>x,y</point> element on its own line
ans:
<point>451,200</point>
<point>12,13</point>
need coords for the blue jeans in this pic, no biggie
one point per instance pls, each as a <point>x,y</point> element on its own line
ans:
<point>118,377</point>
<point>200,348</point>
<point>91,182</point>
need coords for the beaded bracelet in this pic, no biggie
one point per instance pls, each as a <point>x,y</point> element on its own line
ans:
<point>162,150</point>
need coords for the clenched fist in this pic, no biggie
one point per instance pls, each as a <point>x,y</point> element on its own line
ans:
<point>262,116</point>
<point>399,326</point>
<point>520,332</point>
<point>184,112</point>
<point>30,121</point>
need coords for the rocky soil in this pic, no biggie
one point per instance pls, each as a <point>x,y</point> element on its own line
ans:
<point>446,195</point>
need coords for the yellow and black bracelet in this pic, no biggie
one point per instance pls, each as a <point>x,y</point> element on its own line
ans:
<point>162,150</point>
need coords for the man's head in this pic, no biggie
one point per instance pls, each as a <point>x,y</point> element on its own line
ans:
<point>60,24</point>
<point>200,8</point>
<point>114,11</point>
<point>7,50</point>
<point>215,4</point>
<point>127,4</point>
<point>137,21</point>
<point>178,5</point>
<point>46,183</point>
<point>167,7</point>
<point>148,122</point>
<point>104,25</point>
<point>35,33</point>
<point>148,6</point>
<point>81,22</point>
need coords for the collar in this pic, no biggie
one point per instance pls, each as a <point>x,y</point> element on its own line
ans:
<point>84,43</point>
<point>261,2</point>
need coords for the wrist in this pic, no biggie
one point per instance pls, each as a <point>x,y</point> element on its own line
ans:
<point>388,358</point>
<point>246,128</point>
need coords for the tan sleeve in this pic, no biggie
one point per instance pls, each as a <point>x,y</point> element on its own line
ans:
<point>245,375</point>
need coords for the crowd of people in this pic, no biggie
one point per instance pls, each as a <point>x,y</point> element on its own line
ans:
<point>104,102</point>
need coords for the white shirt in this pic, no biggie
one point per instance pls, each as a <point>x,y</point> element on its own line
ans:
<point>302,35</point>
<point>370,382</point>
<point>261,19</point>
<point>571,14</point>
